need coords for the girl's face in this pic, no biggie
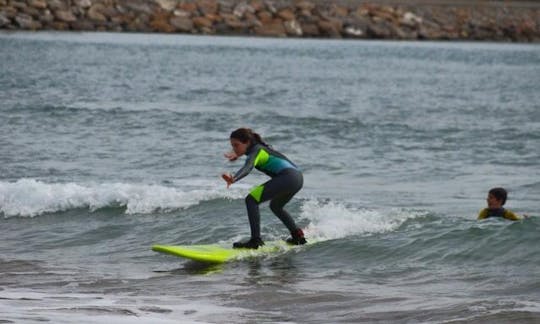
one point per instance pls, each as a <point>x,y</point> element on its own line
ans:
<point>493,202</point>
<point>238,147</point>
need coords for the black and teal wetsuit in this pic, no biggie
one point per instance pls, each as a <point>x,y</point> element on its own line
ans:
<point>286,181</point>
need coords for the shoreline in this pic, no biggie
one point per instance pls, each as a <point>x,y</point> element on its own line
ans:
<point>499,21</point>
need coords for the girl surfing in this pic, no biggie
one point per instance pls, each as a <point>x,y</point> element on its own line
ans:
<point>286,180</point>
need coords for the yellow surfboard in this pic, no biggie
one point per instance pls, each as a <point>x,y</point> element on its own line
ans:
<point>215,253</point>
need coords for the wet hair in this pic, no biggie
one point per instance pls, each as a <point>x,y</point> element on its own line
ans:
<point>500,194</point>
<point>246,135</point>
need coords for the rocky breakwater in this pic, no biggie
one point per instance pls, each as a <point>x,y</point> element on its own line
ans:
<point>295,18</point>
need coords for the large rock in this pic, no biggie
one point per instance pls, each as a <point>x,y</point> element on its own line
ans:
<point>57,5</point>
<point>272,29</point>
<point>305,5</point>
<point>202,22</point>
<point>160,22</point>
<point>96,12</point>
<point>293,28</point>
<point>139,7</point>
<point>328,28</point>
<point>265,16</point>
<point>241,8</point>
<point>182,24</point>
<point>46,17</point>
<point>83,25</point>
<point>233,23</point>
<point>257,5</point>
<point>65,16</point>
<point>338,11</point>
<point>380,29</point>
<point>83,3</point>
<point>208,7</point>
<point>286,14</point>
<point>410,19</point>
<point>40,4</point>
<point>4,20</point>
<point>167,5</point>
<point>310,29</point>
<point>25,21</point>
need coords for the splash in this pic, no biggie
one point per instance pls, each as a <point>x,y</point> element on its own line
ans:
<point>30,197</point>
<point>332,220</point>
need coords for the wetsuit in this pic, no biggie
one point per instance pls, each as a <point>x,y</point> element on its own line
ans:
<point>497,212</point>
<point>286,181</point>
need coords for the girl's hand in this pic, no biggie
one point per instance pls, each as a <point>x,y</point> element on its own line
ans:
<point>231,156</point>
<point>228,178</point>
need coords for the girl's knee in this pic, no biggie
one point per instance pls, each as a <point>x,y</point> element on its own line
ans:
<point>276,207</point>
<point>250,200</point>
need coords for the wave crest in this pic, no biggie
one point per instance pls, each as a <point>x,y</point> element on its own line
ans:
<point>30,197</point>
<point>334,220</point>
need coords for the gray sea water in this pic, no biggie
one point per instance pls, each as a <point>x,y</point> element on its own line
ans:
<point>110,143</point>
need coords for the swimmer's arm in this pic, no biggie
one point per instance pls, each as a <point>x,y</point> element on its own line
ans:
<point>511,215</point>
<point>483,213</point>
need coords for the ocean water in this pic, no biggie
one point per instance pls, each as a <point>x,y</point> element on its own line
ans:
<point>110,143</point>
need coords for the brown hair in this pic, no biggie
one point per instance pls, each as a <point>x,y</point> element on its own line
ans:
<point>500,194</point>
<point>245,135</point>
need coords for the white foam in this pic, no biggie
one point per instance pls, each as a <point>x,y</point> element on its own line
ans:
<point>29,197</point>
<point>31,306</point>
<point>334,220</point>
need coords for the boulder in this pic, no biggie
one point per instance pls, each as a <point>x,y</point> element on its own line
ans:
<point>95,12</point>
<point>83,25</point>
<point>182,24</point>
<point>139,7</point>
<point>265,16</point>
<point>181,13</point>
<point>232,22</point>
<point>293,28</point>
<point>65,16</point>
<point>328,28</point>
<point>338,11</point>
<point>83,3</point>
<point>160,23</point>
<point>190,7</point>
<point>305,5</point>
<point>270,7</point>
<point>409,19</point>
<point>257,5</point>
<point>351,31</point>
<point>167,5</point>
<point>19,5</point>
<point>241,8</point>
<point>59,25</point>
<point>9,12</point>
<point>208,7</point>
<point>286,14</point>
<point>310,29</point>
<point>272,29</point>
<point>381,29</point>
<point>46,17</point>
<point>39,4</point>
<point>57,5</point>
<point>4,20</point>
<point>355,26</point>
<point>34,12</point>
<point>202,22</point>
<point>384,12</point>
<point>26,22</point>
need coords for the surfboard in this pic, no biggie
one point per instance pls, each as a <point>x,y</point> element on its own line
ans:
<point>216,253</point>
